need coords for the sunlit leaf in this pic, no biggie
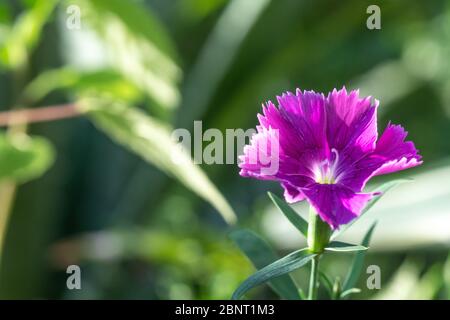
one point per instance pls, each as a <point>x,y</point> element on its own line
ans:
<point>261,255</point>
<point>23,158</point>
<point>337,289</point>
<point>358,262</point>
<point>382,191</point>
<point>152,140</point>
<point>289,263</point>
<point>25,33</point>
<point>104,83</point>
<point>339,246</point>
<point>138,46</point>
<point>290,213</point>
<point>349,292</point>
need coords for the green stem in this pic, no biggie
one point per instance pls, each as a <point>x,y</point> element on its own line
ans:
<point>319,233</point>
<point>313,280</point>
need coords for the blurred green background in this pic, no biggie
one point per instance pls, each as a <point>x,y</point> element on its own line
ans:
<point>99,190</point>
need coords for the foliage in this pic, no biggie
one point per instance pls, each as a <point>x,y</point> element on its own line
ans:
<point>155,65</point>
<point>299,258</point>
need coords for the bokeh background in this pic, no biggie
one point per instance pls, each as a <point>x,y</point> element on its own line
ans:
<point>99,192</point>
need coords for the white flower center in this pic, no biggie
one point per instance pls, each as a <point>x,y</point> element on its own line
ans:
<point>325,171</point>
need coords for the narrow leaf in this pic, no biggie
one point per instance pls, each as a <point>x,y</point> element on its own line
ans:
<point>152,140</point>
<point>261,255</point>
<point>339,246</point>
<point>302,294</point>
<point>349,292</point>
<point>382,191</point>
<point>326,283</point>
<point>289,263</point>
<point>358,262</point>
<point>290,213</point>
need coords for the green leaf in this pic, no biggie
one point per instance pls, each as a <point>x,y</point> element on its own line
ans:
<point>103,83</point>
<point>323,278</point>
<point>151,139</point>
<point>23,158</point>
<point>339,246</point>
<point>25,33</point>
<point>382,190</point>
<point>337,289</point>
<point>358,262</point>
<point>302,294</point>
<point>138,47</point>
<point>349,292</point>
<point>261,254</point>
<point>289,263</point>
<point>290,213</point>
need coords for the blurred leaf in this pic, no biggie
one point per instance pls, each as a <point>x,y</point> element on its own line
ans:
<point>349,292</point>
<point>138,45</point>
<point>403,282</point>
<point>283,64</point>
<point>337,289</point>
<point>195,10</point>
<point>289,263</point>
<point>261,255</point>
<point>358,262</point>
<point>290,213</point>
<point>25,32</point>
<point>222,45</point>
<point>323,278</point>
<point>104,83</point>
<point>5,14</point>
<point>24,158</point>
<point>446,276</point>
<point>339,246</point>
<point>430,284</point>
<point>152,140</point>
<point>302,294</point>
<point>385,187</point>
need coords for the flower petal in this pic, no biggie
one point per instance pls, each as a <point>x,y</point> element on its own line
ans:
<point>335,203</point>
<point>396,153</point>
<point>299,123</point>
<point>291,193</point>
<point>392,153</point>
<point>351,123</point>
<point>300,119</point>
<point>306,111</point>
<point>260,155</point>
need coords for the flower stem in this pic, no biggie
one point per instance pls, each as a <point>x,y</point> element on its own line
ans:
<point>319,233</point>
<point>313,285</point>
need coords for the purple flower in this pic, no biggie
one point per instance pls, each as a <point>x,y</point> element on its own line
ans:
<point>327,150</point>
